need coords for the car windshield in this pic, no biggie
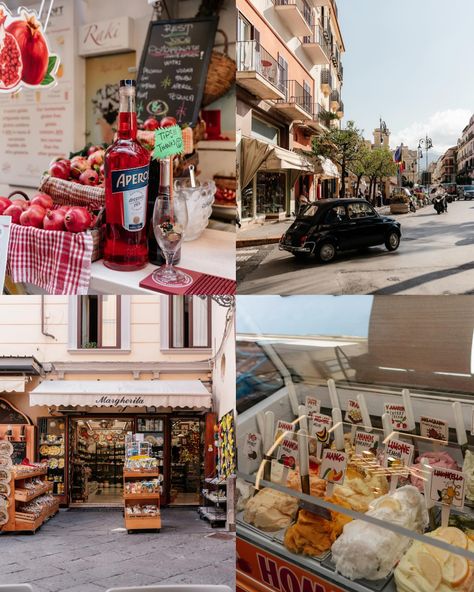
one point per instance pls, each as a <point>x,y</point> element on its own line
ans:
<point>310,211</point>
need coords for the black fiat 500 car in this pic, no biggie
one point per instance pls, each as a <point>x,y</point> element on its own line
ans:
<point>325,227</point>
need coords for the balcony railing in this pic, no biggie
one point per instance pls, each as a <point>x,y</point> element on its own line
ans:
<point>252,57</point>
<point>301,5</point>
<point>318,39</point>
<point>335,99</point>
<point>326,81</point>
<point>340,110</point>
<point>295,94</point>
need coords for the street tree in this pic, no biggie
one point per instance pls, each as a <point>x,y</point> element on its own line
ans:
<point>360,164</point>
<point>379,166</point>
<point>341,146</point>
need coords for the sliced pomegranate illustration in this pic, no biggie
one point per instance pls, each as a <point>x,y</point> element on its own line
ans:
<point>11,65</point>
<point>33,48</point>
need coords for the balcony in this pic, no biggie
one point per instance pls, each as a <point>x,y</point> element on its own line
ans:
<point>327,4</point>
<point>316,122</point>
<point>316,46</point>
<point>326,82</point>
<point>296,15</point>
<point>258,71</point>
<point>334,100</point>
<point>297,103</point>
<point>340,72</point>
<point>340,110</point>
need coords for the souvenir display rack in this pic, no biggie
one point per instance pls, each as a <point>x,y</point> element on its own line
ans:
<point>19,494</point>
<point>215,501</point>
<point>140,468</point>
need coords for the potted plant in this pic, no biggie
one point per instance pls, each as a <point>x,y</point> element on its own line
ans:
<point>399,202</point>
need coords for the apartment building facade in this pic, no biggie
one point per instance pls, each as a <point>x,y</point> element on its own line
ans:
<point>448,165</point>
<point>92,368</point>
<point>465,152</point>
<point>289,79</point>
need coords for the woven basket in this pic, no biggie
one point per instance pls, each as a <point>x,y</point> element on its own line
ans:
<point>221,74</point>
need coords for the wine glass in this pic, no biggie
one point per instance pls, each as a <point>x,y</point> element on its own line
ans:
<point>170,218</point>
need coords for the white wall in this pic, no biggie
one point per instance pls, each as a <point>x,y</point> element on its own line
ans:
<point>223,376</point>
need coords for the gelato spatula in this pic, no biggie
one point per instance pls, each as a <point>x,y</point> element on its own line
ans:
<point>303,454</point>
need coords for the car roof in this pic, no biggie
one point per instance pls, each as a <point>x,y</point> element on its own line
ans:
<point>340,201</point>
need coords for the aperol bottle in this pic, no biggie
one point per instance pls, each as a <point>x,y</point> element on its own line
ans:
<point>126,187</point>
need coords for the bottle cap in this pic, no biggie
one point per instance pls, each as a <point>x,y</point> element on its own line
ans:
<point>128,83</point>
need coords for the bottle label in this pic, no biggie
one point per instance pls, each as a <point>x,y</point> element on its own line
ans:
<point>133,185</point>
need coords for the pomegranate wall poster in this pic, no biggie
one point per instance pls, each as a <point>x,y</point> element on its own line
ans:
<point>25,59</point>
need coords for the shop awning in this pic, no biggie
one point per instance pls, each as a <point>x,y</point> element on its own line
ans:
<point>282,159</point>
<point>122,393</point>
<point>12,384</point>
<point>327,169</point>
<point>19,364</point>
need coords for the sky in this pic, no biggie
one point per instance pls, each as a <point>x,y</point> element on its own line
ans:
<point>409,62</point>
<point>304,315</point>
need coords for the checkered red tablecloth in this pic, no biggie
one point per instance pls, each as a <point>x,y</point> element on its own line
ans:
<point>58,262</point>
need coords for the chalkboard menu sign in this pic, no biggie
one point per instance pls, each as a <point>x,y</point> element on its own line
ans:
<point>19,452</point>
<point>173,68</point>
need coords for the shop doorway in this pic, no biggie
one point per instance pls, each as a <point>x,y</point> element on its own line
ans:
<point>97,455</point>
<point>187,463</point>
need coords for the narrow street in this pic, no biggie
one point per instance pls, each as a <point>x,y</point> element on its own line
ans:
<point>436,256</point>
<point>90,551</point>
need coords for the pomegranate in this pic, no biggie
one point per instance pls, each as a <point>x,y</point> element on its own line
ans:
<point>33,216</point>
<point>89,177</point>
<point>54,220</point>
<point>33,48</point>
<point>77,219</point>
<point>43,200</point>
<point>151,124</point>
<point>15,211</point>
<point>79,164</point>
<point>4,204</point>
<point>60,170</point>
<point>96,159</point>
<point>92,149</point>
<point>11,64</point>
<point>168,121</point>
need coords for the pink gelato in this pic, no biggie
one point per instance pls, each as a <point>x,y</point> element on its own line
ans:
<point>435,459</point>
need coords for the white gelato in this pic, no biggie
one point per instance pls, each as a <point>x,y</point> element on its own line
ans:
<point>468,470</point>
<point>367,551</point>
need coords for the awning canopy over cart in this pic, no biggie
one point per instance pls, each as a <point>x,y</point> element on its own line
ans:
<point>122,393</point>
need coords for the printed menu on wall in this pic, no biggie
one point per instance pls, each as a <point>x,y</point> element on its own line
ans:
<point>173,68</point>
<point>38,125</point>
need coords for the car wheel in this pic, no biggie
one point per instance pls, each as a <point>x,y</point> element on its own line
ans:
<point>326,252</point>
<point>392,242</point>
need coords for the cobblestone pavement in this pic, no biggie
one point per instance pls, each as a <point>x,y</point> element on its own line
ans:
<point>90,551</point>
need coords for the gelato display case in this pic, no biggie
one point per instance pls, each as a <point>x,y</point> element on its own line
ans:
<point>344,484</point>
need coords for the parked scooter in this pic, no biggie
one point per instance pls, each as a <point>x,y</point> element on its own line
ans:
<point>439,204</point>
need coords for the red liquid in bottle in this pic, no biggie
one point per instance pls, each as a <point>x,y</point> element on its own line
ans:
<point>126,187</point>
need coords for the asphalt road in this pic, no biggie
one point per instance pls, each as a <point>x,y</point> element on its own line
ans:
<point>436,256</point>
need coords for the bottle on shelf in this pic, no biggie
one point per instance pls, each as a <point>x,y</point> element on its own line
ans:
<point>126,186</point>
<point>160,187</point>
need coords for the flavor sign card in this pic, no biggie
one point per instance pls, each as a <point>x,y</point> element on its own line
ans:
<point>333,466</point>
<point>398,416</point>
<point>433,428</point>
<point>313,406</point>
<point>364,441</point>
<point>253,451</point>
<point>319,427</point>
<point>398,454</point>
<point>282,427</point>
<point>286,461</point>
<point>447,487</point>
<point>353,414</point>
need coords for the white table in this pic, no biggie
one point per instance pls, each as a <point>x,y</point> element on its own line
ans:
<point>213,252</point>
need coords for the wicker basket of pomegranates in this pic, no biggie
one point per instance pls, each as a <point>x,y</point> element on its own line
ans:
<point>52,245</point>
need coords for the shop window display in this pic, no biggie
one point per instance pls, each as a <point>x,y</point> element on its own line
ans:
<point>271,193</point>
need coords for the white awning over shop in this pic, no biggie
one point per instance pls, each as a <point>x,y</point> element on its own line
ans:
<point>122,393</point>
<point>281,159</point>
<point>12,384</point>
<point>328,169</point>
